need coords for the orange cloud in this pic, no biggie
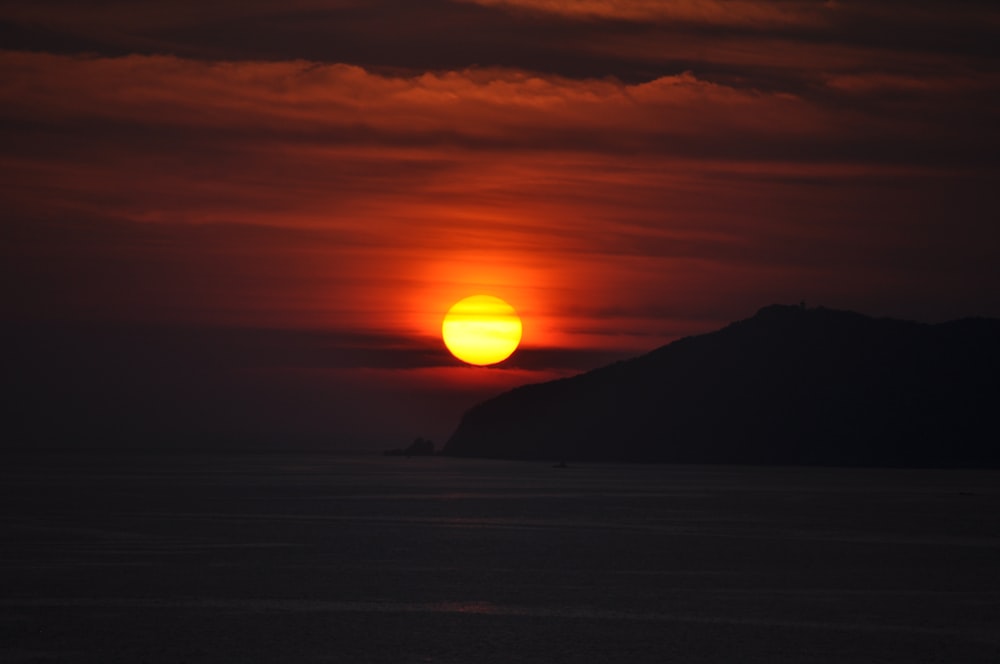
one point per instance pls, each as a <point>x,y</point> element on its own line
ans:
<point>301,98</point>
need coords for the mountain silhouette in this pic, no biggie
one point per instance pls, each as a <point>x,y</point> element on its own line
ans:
<point>788,386</point>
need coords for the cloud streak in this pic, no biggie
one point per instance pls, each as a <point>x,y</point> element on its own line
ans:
<point>699,12</point>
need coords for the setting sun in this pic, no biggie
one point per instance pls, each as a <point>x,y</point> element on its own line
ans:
<point>481,330</point>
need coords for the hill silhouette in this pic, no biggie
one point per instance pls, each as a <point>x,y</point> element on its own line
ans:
<point>788,386</point>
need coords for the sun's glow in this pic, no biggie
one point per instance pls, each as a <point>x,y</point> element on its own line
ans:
<point>481,330</point>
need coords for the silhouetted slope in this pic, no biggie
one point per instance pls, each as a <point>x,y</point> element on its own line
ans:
<point>788,386</point>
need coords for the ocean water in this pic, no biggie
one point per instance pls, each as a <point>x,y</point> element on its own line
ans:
<point>327,558</point>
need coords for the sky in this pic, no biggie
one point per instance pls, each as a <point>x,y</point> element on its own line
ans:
<point>239,223</point>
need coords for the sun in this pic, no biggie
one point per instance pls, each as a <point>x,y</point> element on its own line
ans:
<point>481,330</point>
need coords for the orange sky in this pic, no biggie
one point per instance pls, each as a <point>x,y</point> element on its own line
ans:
<point>624,173</point>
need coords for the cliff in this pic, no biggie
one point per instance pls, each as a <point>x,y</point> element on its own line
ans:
<point>787,386</point>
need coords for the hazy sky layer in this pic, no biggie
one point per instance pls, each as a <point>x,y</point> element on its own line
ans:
<point>244,220</point>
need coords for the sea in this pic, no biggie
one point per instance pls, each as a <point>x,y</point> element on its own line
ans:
<point>309,557</point>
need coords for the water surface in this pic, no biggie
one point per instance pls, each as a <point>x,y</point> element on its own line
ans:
<point>327,558</point>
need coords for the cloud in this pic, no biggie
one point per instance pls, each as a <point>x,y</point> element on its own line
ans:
<point>876,82</point>
<point>164,101</point>
<point>124,16</point>
<point>344,103</point>
<point>247,192</point>
<point>783,45</point>
<point>708,12</point>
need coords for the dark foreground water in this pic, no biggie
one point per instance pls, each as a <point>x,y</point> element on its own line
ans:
<point>312,558</point>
